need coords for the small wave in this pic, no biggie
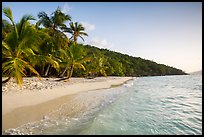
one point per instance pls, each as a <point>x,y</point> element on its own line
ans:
<point>76,119</point>
<point>128,84</point>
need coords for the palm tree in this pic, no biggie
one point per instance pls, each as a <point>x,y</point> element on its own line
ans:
<point>76,30</point>
<point>101,68</point>
<point>97,66</point>
<point>64,56</point>
<point>76,59</point>
<point>46,54</point>
<point>17,47</point>
<point>55,25</point>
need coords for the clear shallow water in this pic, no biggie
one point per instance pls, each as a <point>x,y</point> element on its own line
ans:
<point>146,105</point>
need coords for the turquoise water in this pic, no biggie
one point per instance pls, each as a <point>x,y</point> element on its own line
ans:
<point>164,105</point>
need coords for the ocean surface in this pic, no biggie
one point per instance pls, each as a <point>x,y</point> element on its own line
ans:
<point>160,105</point>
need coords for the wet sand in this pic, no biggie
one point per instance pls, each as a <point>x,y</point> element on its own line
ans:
<point>23,106</point>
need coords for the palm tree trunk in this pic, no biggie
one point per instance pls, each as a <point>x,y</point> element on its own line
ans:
<point>47,70</point>
<point>64,71</point>
<point>5,81</point>
<point>75,39</point>
<point>71,71</point>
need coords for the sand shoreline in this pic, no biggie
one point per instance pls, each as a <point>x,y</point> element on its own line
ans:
<point>30,105</point>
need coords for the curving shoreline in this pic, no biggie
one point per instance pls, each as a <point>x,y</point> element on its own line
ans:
<point>26,105</point>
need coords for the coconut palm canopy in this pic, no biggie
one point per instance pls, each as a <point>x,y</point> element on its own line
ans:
<point>77,30</point>
<point>18,46</point>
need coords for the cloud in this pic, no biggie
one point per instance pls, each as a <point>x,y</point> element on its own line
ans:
<point>66,8</point>
<point>100,43</point>
<point>88,26</point>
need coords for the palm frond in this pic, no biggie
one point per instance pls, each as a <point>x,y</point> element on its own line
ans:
<point>5,47</point>
<point>6,26</point>
<point>52,61</point>
<point>79,65</point>
<point>29,67</point>
<point>44,19</point>
<point>21,26</point>
<point>81,37</point>
<point>11,40</point>
<point>83,33</point>
<point>8,13</point>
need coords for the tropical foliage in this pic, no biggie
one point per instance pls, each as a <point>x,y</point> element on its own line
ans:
<point>56,27</point>
<point>17,47</point>
<point>76,55</point>
<point>44,49</point>
<point>76,30</point>
<point>117,64</point>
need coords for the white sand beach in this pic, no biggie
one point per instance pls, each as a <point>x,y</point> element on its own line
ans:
<point>37,98</point>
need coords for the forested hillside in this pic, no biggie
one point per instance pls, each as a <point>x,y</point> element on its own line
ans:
<point>106,62</point>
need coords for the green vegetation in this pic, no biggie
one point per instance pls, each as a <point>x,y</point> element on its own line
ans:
<point>28,50</point>
<point>17,47</point>
<point>117,64</point>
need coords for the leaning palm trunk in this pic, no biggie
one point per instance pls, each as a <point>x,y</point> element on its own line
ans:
<point>69,74</point>
<point>71,71</point>
<point>64,70</point>
<point>47,70</point>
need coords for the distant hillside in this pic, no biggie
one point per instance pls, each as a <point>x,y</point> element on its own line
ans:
<point>117,64</point>
<point>196,73</point>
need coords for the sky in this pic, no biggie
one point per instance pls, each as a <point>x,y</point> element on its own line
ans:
<point>168,33</point>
